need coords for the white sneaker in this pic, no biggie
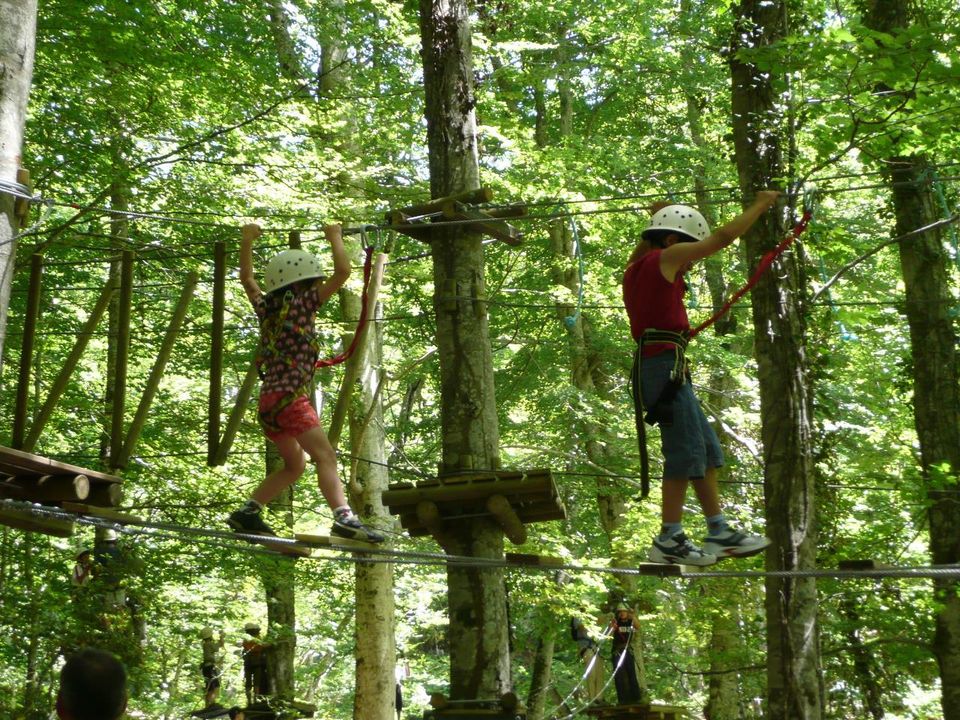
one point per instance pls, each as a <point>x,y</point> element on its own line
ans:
<point>678,550</point>
<point>733,543</point>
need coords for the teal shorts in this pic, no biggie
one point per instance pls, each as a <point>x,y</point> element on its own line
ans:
<point>689,444</point>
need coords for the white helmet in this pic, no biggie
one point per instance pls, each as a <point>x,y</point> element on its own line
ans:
<point>206,633</point>
<point>251,627</point>
<point>289,267</point>
<point>109,535</point>
<point>679,219</point>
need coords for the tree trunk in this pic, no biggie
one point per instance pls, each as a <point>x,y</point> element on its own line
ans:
<point>936,402</point>
<point>375,651</point>
<point>540,678</point>
<point>18,23</point>
<point>794,680</point>
<point>936,375</point>
<point>479,651</point>
<point>279,584</point>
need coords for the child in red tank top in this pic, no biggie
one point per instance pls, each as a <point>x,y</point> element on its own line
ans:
<point>653,289</point>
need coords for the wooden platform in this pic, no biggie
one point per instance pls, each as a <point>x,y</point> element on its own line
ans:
<point>642,711</point>
<point>507,707</point>
<point>32,478</point>
<point>512,498</point>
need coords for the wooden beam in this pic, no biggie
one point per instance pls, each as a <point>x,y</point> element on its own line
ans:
<point>506,517</point>
<point>470,197</point>
<point>429,517</point>
<point>25,520</point>
<point>216,350</point>
<point>26,350</point>
<point>119,395</point>
<point>55,488</point>
<point>105,494</point>
<point>396,499</point>
<point>18,462</point>
<point>236,414</point>
<point>156,373</point>
<point>21,206</point>
<point>356,360</point>
<point>485,223</point>
<point>70,364</point>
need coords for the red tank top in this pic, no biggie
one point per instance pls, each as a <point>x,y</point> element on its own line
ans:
<point>652,301</point>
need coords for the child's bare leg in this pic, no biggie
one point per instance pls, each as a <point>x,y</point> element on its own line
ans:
<point>318,447</point>
<point>707,493</point>
<point>674,493</point>
<point>293,466</point>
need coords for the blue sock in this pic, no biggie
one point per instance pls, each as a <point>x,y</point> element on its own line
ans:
<point>668,530</point>
<point>716,524</point>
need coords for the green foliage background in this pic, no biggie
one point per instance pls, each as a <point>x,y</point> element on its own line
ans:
<point>181,107</point>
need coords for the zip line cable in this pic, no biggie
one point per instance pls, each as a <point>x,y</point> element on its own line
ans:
<point>467,561</point>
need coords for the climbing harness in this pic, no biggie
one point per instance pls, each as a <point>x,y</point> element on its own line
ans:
<point>273,327</point>
<point>661,409</point>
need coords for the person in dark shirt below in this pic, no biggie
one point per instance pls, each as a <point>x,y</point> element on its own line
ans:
<point>93,686</point>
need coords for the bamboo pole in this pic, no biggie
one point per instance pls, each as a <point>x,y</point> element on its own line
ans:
<point>236,415</point>
<point>70,364</point>
<point>119,396</point>
<point>26,350</point>
<point>216,349</point>
<point>156,373</point>
<point>356,361</point>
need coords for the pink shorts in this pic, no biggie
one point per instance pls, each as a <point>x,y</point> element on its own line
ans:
<point>294,420</point>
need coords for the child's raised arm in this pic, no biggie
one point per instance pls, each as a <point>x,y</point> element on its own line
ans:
<point>249,233</point>
<point>676,257</point>
<point>341,263</point>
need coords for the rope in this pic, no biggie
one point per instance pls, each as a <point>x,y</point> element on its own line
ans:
<point>765,263</point>
<point>466,561</point>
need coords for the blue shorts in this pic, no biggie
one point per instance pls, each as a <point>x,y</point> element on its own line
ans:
<point>689,444</point>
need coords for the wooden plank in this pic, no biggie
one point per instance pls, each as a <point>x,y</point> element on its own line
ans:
<point>534,560</point>
<point>329,540</point>
<point>660,569</point>
<point>15,461</point>
<point>469,197</point>
<point>102,512</point>
<point>25,520</point>
<point>863,564</point>
<point>53,488</point>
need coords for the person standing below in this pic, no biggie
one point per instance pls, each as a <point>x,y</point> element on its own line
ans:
<point>623,626</point>
<point>653,289</point>
<point>587,650</point>
<point>93,686</point>
<point>210,667</point>
<point>256,681</point>
<point>286,360</point>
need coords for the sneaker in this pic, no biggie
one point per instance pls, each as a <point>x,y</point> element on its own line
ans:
<point>348,525</point>
<point>249,522</point>
<point>680,551</point>
<point>733,543</point>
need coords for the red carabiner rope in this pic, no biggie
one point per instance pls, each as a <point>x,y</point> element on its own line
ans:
<point>361,323</point>
<point>765,262</point>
